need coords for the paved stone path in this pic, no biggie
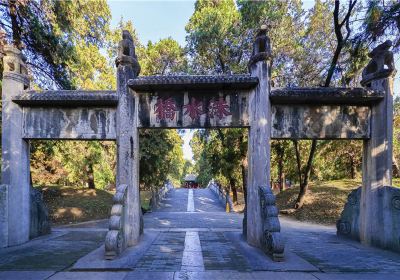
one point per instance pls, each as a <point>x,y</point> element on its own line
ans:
<point>191,237</point>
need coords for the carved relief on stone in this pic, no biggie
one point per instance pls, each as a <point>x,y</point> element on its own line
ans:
<point>349,213</point>
<point>272,240</point>
<point>381,64</point>
<point>115,242</point>
<point>396,202</point>
<point>126,52</point>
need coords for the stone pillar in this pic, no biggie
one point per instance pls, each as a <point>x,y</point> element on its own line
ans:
<point>259,137</point>
<point>375,214</point>
<point>3,216</point>
<point>128,139</point>
<point>15,150</point>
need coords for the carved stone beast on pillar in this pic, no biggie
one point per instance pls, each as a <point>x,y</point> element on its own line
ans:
<point>372,212</point>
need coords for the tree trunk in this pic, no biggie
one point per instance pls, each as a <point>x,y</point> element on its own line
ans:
<point>90,180</point>
<point>304,184</point>
<point>396,168</point>
<point>280,153</point>
<point>234,191</point>
<point>154,199</point>
<point>352,168</point>
<point>244,178</point>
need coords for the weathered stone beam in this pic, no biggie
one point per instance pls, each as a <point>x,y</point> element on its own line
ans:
<point>186,82</point>
<point>69,123</point>
<point>322,95</point>
<point>67,98</point>
<point>320,122</point>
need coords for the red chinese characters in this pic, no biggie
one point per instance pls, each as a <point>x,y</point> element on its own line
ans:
<point>219,108</point>
<point>194,109</point>
<point>165,109</point>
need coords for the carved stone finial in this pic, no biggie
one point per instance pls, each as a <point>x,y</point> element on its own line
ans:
<point>126,52</point>
<point>14,65</point>
<point>381,64</point>
<point>261,46</point>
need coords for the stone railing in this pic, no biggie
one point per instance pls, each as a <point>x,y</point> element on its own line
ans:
<point>160,195</point>
<point>388,209</point>
<point>115,242</point>
<point>272,242</point>
<point>222,195</point>
<point>164,190</point>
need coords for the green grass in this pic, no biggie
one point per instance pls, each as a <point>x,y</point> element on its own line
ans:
<point>324,201</point>
<point>73,205</point>
<point>69,205</point>
<point>396,182</point>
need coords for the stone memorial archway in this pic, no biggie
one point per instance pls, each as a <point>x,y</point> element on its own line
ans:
<point>248,101</point>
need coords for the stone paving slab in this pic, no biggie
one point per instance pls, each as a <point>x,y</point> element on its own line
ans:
<point>52,254</point>
<point>263,275</point>
<point>206,201</point>
<point>165,220</point>
<point>89,276</point>
<point>213,275</point>
<point>221,254</point>
<point>148,275</point>
<point>258,260</point>
<point>165,254</point>
<point>324,249</point>
<point>357,276</point>
<point>95,260</point>
<point>25,275</point>
<point>174,201</point>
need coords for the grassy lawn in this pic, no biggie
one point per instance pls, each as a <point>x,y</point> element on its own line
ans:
<point>323,203</point>
<point>69,205</point>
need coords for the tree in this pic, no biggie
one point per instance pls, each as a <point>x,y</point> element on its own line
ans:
<point>341,41</point>
<point>219,154</point>
<point>382,19</point>
<point>47,32</point>
<point>161,158</point>
<point>163,57</point>
<point>214,39</point>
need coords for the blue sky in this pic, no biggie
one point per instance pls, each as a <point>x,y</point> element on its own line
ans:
<point>157,19</point>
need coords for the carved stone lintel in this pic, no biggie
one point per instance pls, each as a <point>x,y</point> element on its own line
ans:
<point>272,242</point>
<point>126,53</point>
<point>381,64</point>
<point>261,47</point>
<point>115,242</point>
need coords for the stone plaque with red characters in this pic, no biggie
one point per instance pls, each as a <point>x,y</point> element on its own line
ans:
<point>193,109</point>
